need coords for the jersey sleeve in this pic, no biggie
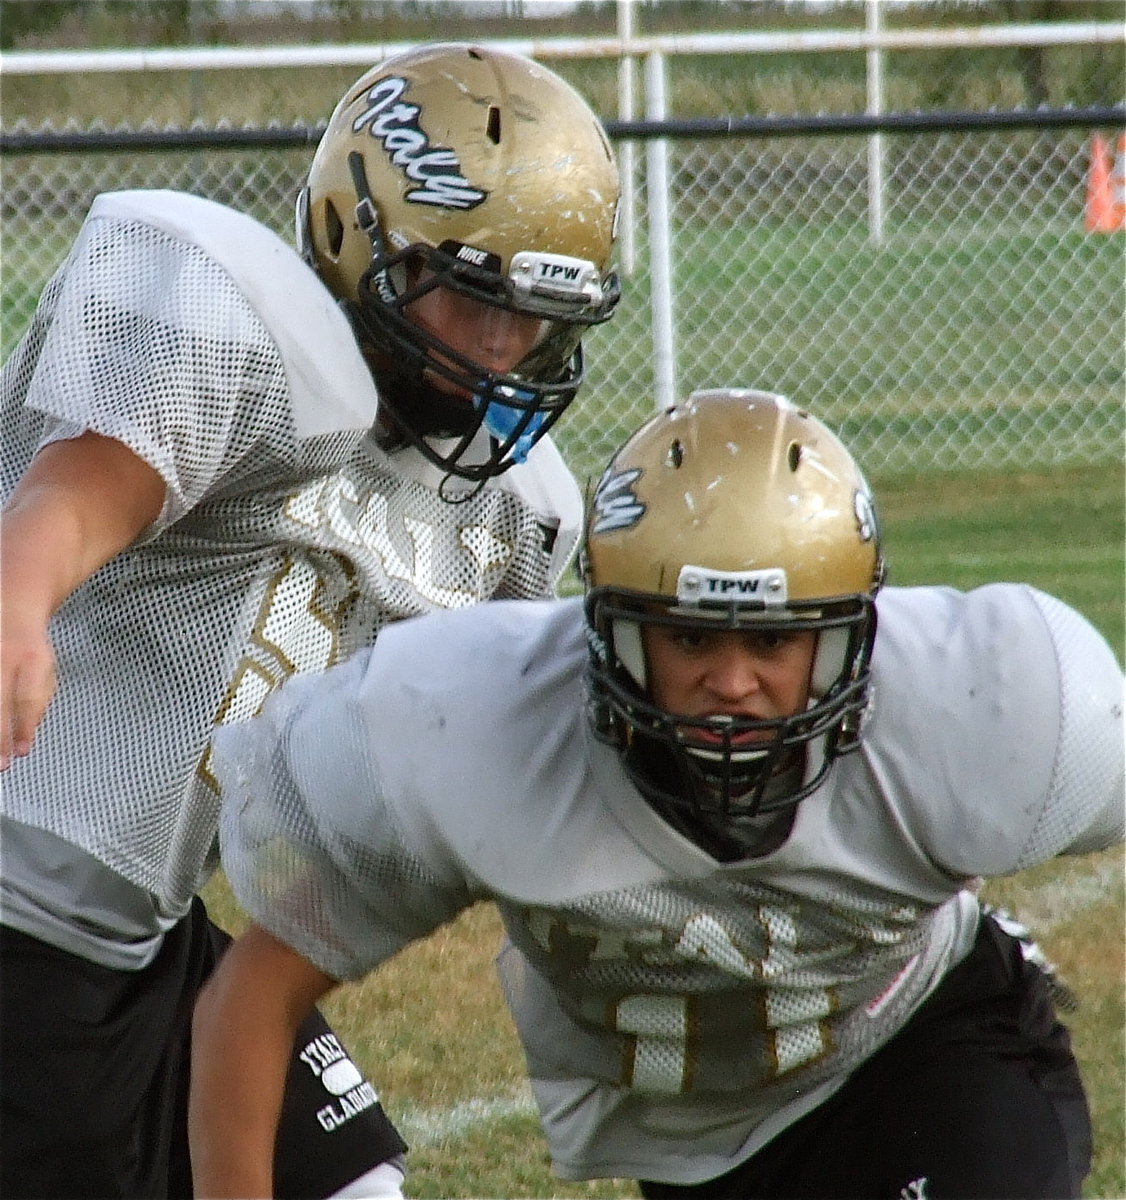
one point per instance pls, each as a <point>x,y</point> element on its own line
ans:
<point>312,848</point>
<point>996,732</point>
<point>195,336</point>
<point>1085,809</point>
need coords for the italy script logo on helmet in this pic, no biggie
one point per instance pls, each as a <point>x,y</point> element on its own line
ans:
<point>616,505</point>
<point>398,128</point>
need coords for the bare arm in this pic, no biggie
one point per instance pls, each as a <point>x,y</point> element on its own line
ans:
<point>245,1025</point>
<point>80,502</point>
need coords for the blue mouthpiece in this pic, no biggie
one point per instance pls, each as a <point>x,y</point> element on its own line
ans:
<point>502,419</point>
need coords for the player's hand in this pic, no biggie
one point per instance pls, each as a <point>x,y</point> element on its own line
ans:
<point>27,684</point>
<point>80,502</point>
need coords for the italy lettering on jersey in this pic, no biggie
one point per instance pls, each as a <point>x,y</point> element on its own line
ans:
<point>385,550</point>
<point>692,959</point>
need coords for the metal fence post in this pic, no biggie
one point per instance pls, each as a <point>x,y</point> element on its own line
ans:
<point>660,237</point>
<point>627,213</point>
<point>875,71</point>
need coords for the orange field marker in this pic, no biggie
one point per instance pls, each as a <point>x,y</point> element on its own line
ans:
<point>1106,187</point>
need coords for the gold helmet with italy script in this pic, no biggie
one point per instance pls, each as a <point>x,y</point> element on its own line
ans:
<point>459,166</point>
<point>733,510</point>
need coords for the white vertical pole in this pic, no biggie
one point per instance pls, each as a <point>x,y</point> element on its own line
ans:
<point>626,218</point>
<point>875,140</point>
<point>660,239</point>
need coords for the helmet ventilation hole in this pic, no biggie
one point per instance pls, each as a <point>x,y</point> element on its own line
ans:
<point>676,453</point>
<point>492,126</point>
<point>793,455</point>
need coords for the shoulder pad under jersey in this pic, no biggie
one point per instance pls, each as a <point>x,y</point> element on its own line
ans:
<point>331,386</point>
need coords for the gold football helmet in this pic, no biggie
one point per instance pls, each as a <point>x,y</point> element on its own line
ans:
<point>467,168</point>
<point>734,510</point>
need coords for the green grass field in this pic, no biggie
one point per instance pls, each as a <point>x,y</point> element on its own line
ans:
<point>431,1028</point>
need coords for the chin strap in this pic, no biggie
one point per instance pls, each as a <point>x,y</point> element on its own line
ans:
<point>367,218</point>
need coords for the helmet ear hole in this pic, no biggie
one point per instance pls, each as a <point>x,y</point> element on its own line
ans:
<point>492,125</point>
<point>829,660</point>
<point>630,650</point>
<point>334,229</point>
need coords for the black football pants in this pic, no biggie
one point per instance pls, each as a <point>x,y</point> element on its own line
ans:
<point>94,1079</point>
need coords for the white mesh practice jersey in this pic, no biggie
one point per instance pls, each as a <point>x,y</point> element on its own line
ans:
<point>288,538</point>
<point>675,1012</point>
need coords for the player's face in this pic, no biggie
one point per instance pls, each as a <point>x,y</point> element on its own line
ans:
<point>761,675</point>
<point>494,337</point>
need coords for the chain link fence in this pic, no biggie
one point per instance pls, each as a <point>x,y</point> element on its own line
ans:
<point>983,327</point>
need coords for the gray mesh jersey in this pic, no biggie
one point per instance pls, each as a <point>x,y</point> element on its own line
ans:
<point>287,540</point>
<point>675,1012</point>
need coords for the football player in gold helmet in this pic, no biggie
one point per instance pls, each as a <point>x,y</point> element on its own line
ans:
<point>746,955</point>
<point>290,452</point>
<point>462,207</point>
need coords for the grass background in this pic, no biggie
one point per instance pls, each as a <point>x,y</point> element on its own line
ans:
<point>431,1028</point>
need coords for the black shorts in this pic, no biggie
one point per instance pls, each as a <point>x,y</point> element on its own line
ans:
<point>978,1097</point>
<point>94,1079</point>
